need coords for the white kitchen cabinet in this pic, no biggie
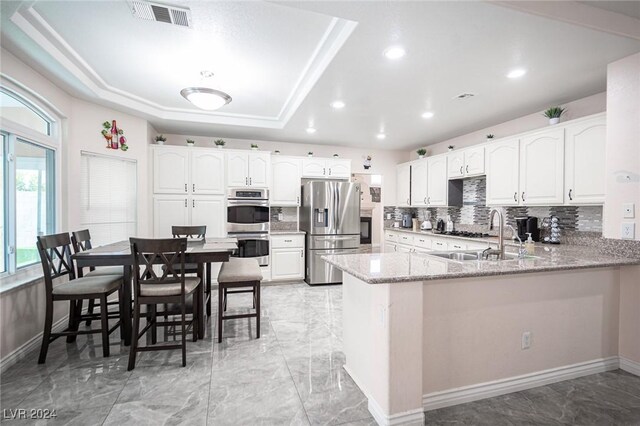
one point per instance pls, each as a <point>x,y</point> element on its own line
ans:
<point>439,245</point>
<point>207,172</point>
<point>335,168</point>
<point>285,181</point>
<point>502,169</point>
<point>474,161</point>
<point>170,170</point>
<point>542,168</point>
<point>419,183</point>
<point>403,185</point>
<point>248,169</point>
<point>455,164</point>
<point>211,212</point>
<point>437,181</point>
<point>169,210</point>
<point>584,161</point>
<point>403,249</point>
<point>456,245</point>
<point>287,257</point>
<point>389,247</point>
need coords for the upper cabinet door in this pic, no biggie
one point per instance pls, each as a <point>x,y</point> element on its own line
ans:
<point>338,168</point>
<point>542,168</point>
<point>437,181</point>
<point>285,181</point>
<point>419,183</point>
<point>259,169</point>
<point>237,169</point>
<point>455,165</point>
<point>211,212</point>
<point>168,211</point>
<point>207,172</point>
<point>584,162</point>
<point>474,161</point>
<point>403,185</point>
<point>313,167</point>
<point>502,173</point>
<point>170,170</point>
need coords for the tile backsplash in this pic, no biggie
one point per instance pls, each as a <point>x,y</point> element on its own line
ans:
<point>474,214</point>
<point>289,220</point>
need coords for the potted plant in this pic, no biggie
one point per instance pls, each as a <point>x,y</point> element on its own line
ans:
<point>309,154</point>
<point>254,146</point>
<point>553,114</point>
<point>276,152</point>
<point>160,139</point>
<point>450,147</point>
<point>489,137</point>
<point>421,152</point>
<point>219,143</point>
<point>335,155</point>
<point>191,142</point>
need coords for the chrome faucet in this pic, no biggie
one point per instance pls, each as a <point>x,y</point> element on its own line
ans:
<point>500,251</point>
<point>521,250</point>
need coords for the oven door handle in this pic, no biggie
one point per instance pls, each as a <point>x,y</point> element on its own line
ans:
<point>243,236</point>
<point>250,203</point>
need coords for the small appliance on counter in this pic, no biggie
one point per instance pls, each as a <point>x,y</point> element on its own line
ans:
<point>407,221</point>
<point>528,225</point>
<point>426,225</point>
<point>440,226</point>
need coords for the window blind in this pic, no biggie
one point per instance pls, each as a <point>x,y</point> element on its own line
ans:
<point>108,197</point>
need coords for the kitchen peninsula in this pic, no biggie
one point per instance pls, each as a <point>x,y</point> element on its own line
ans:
<point>422,332</point>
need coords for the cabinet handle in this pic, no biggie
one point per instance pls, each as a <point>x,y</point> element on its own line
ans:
<point>408,201</point>
<point>329,171</point>
<point>570,197</point>
<point>324,171</point>
<point>301,253</point>
<point>298,199</point>
<point>194,203</point>
<point>523,196</point>
<point>185,202</point>
<point>193,188</point>
<point>428,200</point>
<point>246,181</point>
<point>461,172</point>
<point>467,169</point>
<point>250,181</point>
<point>425,200</point>
<point>515,197</point>
<point>287,241</point>
<point>185,187</point>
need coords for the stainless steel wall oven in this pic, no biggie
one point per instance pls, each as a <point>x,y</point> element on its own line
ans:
<point>248,221</point>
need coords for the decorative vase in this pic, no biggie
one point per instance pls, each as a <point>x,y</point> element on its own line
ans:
<point>450,149</point>
<point>554,120</point>
<point>219,146</point>
<point>190,144</point>
<point>160,142</point>
<point>309,155</point>
<point>254,148</point>
<point>335,155</point>
<point>420,156</point>
<point>276,152</point>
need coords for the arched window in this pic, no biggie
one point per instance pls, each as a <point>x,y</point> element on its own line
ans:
<point>28,189</point>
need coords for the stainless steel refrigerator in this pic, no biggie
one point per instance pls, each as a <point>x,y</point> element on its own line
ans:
<point>330,215</point>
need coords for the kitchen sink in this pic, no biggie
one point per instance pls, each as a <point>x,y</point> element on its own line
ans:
<point>467,255</point>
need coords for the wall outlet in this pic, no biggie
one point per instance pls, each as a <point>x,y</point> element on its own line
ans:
<point>526,340</point>
<point>280,217</point>
<point>628,211</point>
<point>628,231</point>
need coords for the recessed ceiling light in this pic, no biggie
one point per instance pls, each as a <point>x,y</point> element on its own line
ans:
<point>337,104</point>
<point>381,136</point>
<point>427,114</point>
<point>394,52</point>
<point>311,130</point>
<point>517,73</point>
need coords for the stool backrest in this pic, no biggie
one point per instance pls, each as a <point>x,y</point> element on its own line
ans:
<point>55,257</point>
<point>81,240</point>
<point>165,253</point>
<point>189,231</point>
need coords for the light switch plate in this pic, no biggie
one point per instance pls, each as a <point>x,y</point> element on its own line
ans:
<point>628,211</point>
<point>628,231</point>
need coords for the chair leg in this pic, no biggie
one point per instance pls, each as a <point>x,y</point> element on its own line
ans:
<point>184,331</point>
<point>220,297</point>
<point>90,309</point>
<point>104,319</point>
<point>73,320</point>
<point>197,303</point>
<point>121,303</point>
<point>257,307</point>
<point>134,336</point>
<point>151,309</point>
<point>208,289</point>
<point>225,299</point>
<point>46,336</point>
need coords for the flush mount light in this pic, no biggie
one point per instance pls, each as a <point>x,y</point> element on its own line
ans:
<point>427,114</point>
<point>205,97</point>
<point>394,52</point>
<point>517,73</point>
<point>381,136</point>
<point>311,130</point>
<point>337,104</point>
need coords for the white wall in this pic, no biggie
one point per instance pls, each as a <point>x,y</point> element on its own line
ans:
<point>623,144</point>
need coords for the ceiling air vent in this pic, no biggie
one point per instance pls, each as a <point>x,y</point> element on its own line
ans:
<point>464,96</point>
<point>161,13</point>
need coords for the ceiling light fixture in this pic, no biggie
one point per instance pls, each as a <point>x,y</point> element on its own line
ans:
<point>517,73</point>
<point>394,52</point>
<point>337,104</point>
<point>311,130</point>
<point>205,97</point>
<point>427,114</point>
<point>381,136</point>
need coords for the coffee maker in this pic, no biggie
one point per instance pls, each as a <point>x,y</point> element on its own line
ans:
<point>407,220</point>
<point>526,225</point>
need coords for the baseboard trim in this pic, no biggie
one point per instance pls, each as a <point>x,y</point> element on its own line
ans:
<point>32,344</point>
<point>480,391</point>
<point>630,366</point>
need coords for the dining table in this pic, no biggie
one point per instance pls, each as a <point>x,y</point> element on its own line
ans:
<point>203,252</point>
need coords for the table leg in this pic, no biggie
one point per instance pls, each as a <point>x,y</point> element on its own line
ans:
<point>208,292</point>
<point>200,300</point>
<point>126,305</point>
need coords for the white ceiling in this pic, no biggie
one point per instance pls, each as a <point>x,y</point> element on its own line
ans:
<point>283,63</point>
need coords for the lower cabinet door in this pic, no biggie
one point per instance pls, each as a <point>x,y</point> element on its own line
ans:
<point>209,211</point>
<point>287,264</point>
<point>169,210</point>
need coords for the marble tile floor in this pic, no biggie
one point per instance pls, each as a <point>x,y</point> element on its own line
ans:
<point>292,375</point>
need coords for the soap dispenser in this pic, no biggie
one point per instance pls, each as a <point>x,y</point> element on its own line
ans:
<point>529,245</point>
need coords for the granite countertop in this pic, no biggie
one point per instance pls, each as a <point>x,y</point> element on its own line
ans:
<point>282,232</point>
<point>404,267</point>
<point>493,240</point>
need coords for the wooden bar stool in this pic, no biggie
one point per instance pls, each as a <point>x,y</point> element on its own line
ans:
<point>235,274</point>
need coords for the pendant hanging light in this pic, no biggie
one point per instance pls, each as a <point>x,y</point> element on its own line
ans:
<point>205,97</point>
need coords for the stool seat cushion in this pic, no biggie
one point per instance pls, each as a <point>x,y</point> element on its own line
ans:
<point>239,270</point>
<point>105,270</point>
<point>170,289</point>
<point>89,285</point>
